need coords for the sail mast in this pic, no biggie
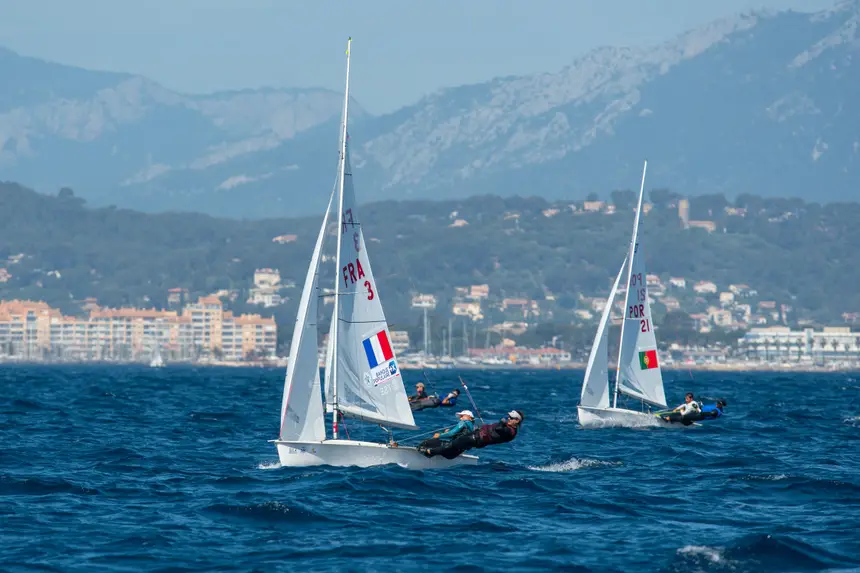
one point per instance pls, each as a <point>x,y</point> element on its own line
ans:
<point>336,313</point>
<point>630,255</point>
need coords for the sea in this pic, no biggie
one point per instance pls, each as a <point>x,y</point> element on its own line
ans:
<point>106,468</point>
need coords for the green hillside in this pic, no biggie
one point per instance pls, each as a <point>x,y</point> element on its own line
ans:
<point>803,255</point>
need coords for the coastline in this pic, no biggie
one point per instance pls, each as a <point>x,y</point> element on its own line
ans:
<point>674,367</point>
<point>671,367</point>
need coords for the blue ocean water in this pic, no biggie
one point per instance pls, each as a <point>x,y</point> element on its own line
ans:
<point>132,469</point>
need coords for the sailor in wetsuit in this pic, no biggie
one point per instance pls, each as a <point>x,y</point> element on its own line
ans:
<point>498,433</point>
<point>420,393</point>
<point>686,413</point>
<point>466,425</point>
<point>713,411</point>
<point>451,398</point>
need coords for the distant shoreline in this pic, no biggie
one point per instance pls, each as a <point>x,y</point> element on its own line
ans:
<point>729,367</point>
<point>725,367</point>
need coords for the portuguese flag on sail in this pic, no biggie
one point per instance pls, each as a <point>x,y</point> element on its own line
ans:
<point>648,360</point>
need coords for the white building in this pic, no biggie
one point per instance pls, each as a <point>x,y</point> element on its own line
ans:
<point>424,301</point>
<point>831,344</point>
<point>399,341</point>
<point>267,286</point>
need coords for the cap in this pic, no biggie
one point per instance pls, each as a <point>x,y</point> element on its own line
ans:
<point>515,414</point>
<point>466,413</point>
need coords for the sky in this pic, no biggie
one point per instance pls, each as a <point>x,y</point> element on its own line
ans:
<point>402,49</point>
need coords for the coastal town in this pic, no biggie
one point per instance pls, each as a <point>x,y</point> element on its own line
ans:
<point>204,332</point>
<point>467,326</point>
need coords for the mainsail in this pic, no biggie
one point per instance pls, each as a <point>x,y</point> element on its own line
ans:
<point>595,387</point>
<point>367,379</point>
<point>301,408</point>
<point>639,374</point>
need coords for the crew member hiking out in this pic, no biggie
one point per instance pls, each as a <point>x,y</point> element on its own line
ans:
<point>466,425</point>
<point>451,398</point>
<point>420,393</point>
<point>499,433</point>
<point>713,411</point>
<point>686,413</point>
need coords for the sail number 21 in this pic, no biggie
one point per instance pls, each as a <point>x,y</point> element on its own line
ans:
<point>638,310</point>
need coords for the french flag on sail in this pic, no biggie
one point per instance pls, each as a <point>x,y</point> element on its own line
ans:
<point>377,349</point>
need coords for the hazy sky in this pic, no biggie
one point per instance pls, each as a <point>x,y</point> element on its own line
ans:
<point>402,49</point>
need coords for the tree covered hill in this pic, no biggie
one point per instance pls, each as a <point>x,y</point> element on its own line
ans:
<point>56,249</point>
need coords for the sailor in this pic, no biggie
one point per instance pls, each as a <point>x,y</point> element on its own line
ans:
<point>420,393</point>
<point>689,407</point>
<point>451,398</point>
<point>466,425</point>
<point>499,433</point>
<point>686,413</point>
<point>714,410</point>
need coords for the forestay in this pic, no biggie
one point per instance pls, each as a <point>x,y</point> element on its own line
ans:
<point>595,387</point>
<point>639,373</point>
<point>301,407</point>
<point>369,385</point>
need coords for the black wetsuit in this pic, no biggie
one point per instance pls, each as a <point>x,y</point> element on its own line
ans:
<point>484,436</point>
<point>425,402</point>
<point>420,395</point>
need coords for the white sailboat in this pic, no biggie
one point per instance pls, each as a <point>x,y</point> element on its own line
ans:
<point>638,374</point>
<point>156,361</point>
<point>363,378</point>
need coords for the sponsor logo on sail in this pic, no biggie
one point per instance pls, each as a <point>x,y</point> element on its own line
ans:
<point>382,374</point>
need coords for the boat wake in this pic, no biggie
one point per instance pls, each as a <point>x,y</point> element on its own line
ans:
<point>269,465</point>
<point>572,465</point>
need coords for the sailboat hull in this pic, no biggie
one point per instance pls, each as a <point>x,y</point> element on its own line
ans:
<point>345,453</point>
<point>620,418</point>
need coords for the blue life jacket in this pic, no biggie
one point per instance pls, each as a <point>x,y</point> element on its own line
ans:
<point>451,401</point>
<point>712,411</point>
<point>462,427</point>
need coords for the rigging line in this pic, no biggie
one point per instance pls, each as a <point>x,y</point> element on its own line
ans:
<point>430,433</point>
<point>427,379</point>
<point>469,395</point>
<point>343,421</point>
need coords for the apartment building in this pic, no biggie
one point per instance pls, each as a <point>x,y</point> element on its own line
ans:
<point>33,330</point>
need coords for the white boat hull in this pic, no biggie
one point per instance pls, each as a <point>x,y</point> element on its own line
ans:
<point>344,453</point>
<point>620,418</point>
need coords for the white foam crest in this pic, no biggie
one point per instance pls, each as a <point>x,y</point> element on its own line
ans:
<point>767,477</point>
<point>269,465</point>
<point>712,554</point>
<point>853,420</point>
<point>572,465</point>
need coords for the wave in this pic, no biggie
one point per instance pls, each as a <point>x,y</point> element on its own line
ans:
<point>269,511</point>
<point>573,465</point>
<point>36,486</point>
<point>213,416</point>
<point>269,465</point>
<point>761,553</point>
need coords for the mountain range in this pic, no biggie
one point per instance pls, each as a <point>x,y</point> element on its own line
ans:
<point>765,103</point>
